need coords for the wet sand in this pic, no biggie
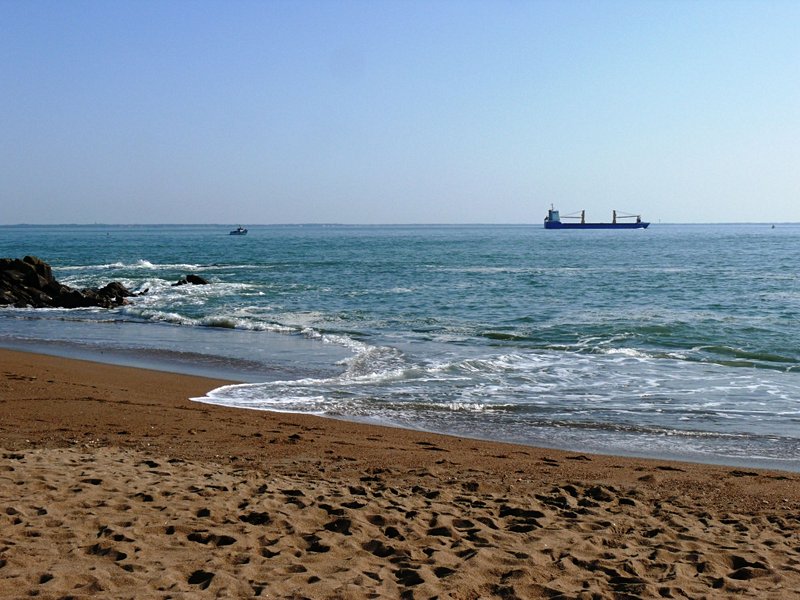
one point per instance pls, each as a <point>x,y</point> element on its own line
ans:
<point>114,484</point>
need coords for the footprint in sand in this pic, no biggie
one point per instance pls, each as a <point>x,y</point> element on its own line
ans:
<point>378,548</point>
<point>408,577</point>
<point>100,550</point>
<point>201,578</point>
<point>255,518</point>
<point>211,538</point>
<point>340,525</point>
<point>394,533</point>
<point>315,544</point>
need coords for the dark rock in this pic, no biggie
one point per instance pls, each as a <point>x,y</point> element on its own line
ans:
<point>115,290</point>
<point>191,279</point>
<point>29,282</point>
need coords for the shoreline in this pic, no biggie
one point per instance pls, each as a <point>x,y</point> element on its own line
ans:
<point>149,359</point>
<point>152,493</point>
<point>231,376</point>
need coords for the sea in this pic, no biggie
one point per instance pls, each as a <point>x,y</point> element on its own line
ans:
<point>678,341</point>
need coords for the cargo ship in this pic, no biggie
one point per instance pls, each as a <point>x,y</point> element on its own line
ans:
<point>553,220</point>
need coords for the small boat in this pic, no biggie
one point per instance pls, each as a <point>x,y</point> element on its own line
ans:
<point>553,221</point>
<point>239,231</point>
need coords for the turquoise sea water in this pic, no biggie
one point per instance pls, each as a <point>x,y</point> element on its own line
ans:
<point>677,341</point>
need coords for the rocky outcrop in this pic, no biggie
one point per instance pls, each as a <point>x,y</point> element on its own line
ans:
<point>29,282</point>
<point>191,280</point>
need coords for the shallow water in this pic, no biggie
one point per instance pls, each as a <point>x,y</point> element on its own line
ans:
<point>675,341</point>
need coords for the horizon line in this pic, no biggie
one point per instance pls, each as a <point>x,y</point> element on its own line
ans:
<point>335,224</point>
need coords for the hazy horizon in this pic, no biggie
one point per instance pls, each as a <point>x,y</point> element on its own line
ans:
<point>398,225</point>
<point>399,112</point>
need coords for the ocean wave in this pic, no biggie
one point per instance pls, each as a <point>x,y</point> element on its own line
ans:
<point>409,404</point>
<point>745,356</point>
<point>100,267</point>
<point>144,264</point>
<point>139,264</point>
<point>223,321</point>
<point>617,391</point>
<point>628,352</point>
<point>485,270</point>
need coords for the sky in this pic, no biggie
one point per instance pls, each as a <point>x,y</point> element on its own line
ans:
<point>387,111</point>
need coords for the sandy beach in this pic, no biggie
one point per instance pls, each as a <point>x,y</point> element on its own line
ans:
<point>114,484</point>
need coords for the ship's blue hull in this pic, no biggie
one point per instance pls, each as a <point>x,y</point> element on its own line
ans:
<point>560,225</point>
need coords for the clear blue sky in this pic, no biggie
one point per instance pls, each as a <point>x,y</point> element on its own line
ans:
<point>398,111</point>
